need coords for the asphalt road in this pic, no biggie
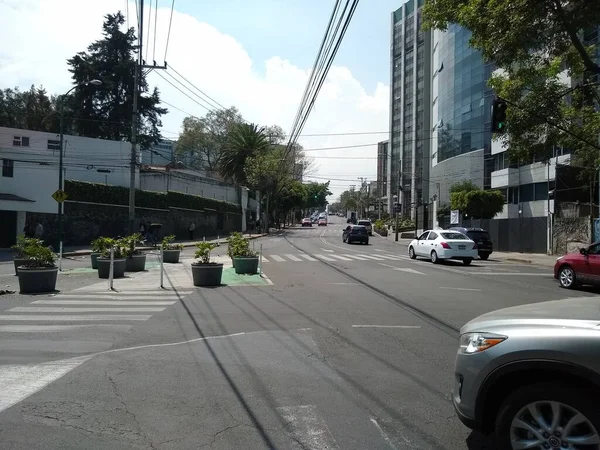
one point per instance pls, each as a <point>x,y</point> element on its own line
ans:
<point>350,347</point>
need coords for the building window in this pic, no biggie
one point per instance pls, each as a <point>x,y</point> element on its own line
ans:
<point>53,144</point>
<point>8,168</point>
<point>20,141</point>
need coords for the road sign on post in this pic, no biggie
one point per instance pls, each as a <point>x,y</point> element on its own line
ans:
<point>60,195</point>
<point>454,217</point>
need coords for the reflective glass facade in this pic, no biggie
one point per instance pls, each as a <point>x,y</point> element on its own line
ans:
<point>464,98</point>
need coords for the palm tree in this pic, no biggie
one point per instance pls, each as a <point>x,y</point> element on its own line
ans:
<point>244,141</point>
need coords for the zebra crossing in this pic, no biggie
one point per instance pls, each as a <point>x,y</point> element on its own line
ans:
<point>329,257</point>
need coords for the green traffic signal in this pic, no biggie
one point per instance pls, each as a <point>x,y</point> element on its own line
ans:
<point>498,115</point>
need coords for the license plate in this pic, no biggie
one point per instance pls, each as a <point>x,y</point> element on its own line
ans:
<point>462,247</point>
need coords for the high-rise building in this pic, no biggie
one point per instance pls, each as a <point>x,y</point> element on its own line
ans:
<point>159,154</point>
<point>410,124</point>
<point>382,166</point>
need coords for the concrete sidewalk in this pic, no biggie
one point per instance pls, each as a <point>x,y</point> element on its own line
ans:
<point>85,250</point>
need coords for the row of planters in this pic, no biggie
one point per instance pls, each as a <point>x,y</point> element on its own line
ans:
<point>35,265</point>
<point>127,257</point>
<point>243,258</point>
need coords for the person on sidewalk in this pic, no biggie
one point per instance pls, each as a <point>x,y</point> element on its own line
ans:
<point>191,229</point>
<point>39,231</point>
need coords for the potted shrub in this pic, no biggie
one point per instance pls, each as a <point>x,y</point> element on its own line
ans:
<point>19,256</point>
<point>99,245</point>
<point>245,259</point>
<point>234,240</point>
<point>135,259</point>
<point>171,251</point>
<point>119,261</point>
<point>39,272</point>
<point>205,272</point>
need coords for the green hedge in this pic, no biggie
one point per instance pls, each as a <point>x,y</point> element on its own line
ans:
<point>119,195</point>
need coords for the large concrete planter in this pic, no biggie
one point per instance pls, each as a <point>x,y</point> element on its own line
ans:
<point>104,268</point>
<point>248,266</point>
<point>207,274</point>
<point>135,263</point>
<point>171,256</point>
<point>37,280</point>
<point>19,262</point>
<point>94,258</point>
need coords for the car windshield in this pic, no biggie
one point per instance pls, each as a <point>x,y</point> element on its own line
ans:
<point>359,230</point>
<point>481,235</point>
<point>364,222</point>
<point>454,235</point>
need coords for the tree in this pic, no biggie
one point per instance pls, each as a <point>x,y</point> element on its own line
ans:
<point>207,136</point>
<point>316,194</point>
<point>106,111</point>
<point>245,141</point>
<point>463,186</point>
<point>477,203</point>
<point>275,134</point>
<point>534,42</point>
<point>31,110</point>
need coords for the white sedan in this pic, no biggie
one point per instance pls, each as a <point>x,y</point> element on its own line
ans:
<point>439,245</point>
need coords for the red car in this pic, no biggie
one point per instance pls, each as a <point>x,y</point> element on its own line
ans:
<point>322,222</point>
<point>574,269</point>
<point>306,222</point>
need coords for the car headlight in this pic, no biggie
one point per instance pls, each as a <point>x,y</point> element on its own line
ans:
<point>479,342</point>
<point>559,258</point>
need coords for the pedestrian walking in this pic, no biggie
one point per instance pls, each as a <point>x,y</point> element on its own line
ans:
<point>27,230</point>
<point>191,229</point>
<point>39,231</point>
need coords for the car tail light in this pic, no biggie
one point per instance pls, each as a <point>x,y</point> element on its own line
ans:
<point>445,245</point>
<point>474,245</point>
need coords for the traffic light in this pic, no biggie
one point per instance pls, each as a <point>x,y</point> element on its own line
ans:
<point>498,116</point>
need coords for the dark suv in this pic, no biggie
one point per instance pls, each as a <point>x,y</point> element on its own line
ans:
<point>481,237</point>
<point>355,233</point>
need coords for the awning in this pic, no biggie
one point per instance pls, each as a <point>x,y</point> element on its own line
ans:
<point>14,198</point>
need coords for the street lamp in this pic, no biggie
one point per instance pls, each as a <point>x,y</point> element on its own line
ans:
<point>60,157</point>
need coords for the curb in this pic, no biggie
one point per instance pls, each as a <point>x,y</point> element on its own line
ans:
<point>187,245</point>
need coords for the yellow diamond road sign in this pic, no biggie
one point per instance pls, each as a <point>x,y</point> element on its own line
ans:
<point>60,196</point>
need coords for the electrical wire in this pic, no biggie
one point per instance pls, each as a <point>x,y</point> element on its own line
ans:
<point>195,101</point>
<point>191,91</point>
<point>197,88</point>
<point>127,16</point>
<point>148,32</point>
<point>155,27</point>
<point>169,32</point>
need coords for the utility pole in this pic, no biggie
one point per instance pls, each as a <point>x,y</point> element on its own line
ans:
<point>139,66</point>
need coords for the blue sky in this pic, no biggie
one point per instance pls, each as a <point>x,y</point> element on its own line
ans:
<point>293,29</point>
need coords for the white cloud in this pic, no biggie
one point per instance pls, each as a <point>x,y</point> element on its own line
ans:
<point>266,92</point>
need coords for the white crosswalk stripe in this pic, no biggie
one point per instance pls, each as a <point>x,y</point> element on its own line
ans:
<point>264,259</point>
<point>277,258</point>
<point>307,257</point>
<point>292,257</point>
<point>325,258</point>
<point>376,258</point>
<point>343,258</point>
<point>360,258</point>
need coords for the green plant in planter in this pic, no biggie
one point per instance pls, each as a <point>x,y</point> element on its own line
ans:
<point>118,246</point>
<point>240,248</point>
<point>168,243</point>
<point>203,250</point>
<point>22,243</point>
<point>38,255</point>
<point>101,244</point>
<point>234,241</point>
<point>129,245</point>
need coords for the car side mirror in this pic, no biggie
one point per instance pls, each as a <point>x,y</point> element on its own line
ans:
<point>583,251</point>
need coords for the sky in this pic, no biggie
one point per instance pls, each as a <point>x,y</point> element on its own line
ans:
<point>256,56</point>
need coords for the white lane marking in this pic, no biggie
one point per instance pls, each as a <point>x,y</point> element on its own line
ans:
<point>359,258</point>
<point>342,283</point>
<point>386,326</point>
<point>292,257</point>
<point>113,296</point>
<point>460,289</point>
<point>343,258</point>
<point>74,318</point>
<point>101,302</point>
<point>277,258</point>
<point>512,273</point>
<point>62,309</point>
<point>308,257</point>
<point>264,259</point>
<point>387,265</point>
<point>376,258</point>
<point>325,258</point>
<point>327,250</point>
<point>55,328</point>
<point>385,437</point>
<point>395,258</point>
<point>20,381</point>
<point>307,427</point>
<point>408,270</point>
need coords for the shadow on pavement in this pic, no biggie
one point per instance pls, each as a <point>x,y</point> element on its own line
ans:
<point>479,441</point>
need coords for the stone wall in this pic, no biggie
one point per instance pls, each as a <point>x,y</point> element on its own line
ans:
<point>83,222</point>
<point>570,233</point>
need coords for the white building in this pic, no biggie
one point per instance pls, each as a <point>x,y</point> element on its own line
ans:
<point>30,161</point>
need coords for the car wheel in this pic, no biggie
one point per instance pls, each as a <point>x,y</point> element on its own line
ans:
<point>467,261</point>
<point>548,415</point>
<point>367,242</point>
<point>411,253</point>
<point>434,257</point>
<point>484,256</point>
<point>567,277</point>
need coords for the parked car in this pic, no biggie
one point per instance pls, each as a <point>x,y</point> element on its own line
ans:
<point>485,247</point>
<point>531,374</point>
<point>439,245</point>
<point>322,222</point>
<point>355,233</point>
<point>367,224</point>
<point>306,222</point>
<point>575,269</point>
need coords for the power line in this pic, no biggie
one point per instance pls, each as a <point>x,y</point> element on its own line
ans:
<point>169,32</point>
<point>148,33</point>
<point>155,27</point>
<point>197,88</point>
<point>195,101</point>
<point>191,91</point>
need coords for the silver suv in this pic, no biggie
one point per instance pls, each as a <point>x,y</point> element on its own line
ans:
<point>531,374</point>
